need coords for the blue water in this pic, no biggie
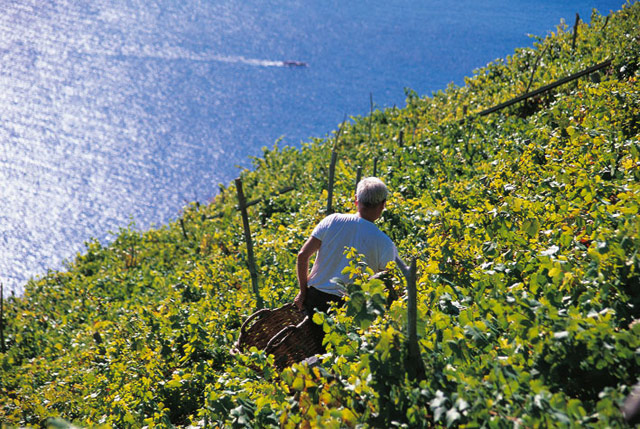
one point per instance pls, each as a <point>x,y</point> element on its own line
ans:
<point>118,111</point>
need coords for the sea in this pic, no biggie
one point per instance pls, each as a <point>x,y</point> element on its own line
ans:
<point>119,113</point>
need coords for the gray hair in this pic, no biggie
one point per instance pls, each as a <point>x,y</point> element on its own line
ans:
<point>371,191</point>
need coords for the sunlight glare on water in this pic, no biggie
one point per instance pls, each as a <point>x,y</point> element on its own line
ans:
<point>113,111</point>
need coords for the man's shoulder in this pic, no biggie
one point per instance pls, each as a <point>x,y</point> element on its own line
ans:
<point>347,216</point>
<point>382,237</point>
<point>340,217</point>
<point>385,238</point>
<point>329,222</point>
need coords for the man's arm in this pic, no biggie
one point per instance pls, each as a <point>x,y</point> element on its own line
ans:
<point>311,246</point>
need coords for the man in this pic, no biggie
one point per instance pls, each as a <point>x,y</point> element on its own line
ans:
<point>631,407</point>
<point>330,238</point>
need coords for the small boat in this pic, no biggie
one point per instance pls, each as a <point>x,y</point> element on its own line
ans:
<point>291,63</point>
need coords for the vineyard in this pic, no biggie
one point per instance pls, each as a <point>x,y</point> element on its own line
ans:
<point>525,230</point>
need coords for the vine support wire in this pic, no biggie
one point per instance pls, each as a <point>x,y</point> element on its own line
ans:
<point>247,235</point>
<point>542,89</point>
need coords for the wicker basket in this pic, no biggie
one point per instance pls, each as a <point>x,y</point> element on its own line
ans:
<point>287,332</point>
<point>294,344</point>
<point>262,325</point>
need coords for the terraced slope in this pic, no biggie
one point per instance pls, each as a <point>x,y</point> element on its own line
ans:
<point>524,224</point>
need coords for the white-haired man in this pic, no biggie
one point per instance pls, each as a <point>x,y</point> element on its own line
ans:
<point>330,238</point>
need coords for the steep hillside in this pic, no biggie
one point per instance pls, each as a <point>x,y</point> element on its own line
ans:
<point>524,224</point>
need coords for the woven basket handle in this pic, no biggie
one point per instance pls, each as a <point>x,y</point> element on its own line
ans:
<point>282,335</point>
<point>251,318</point>
<point>278,338</point>
<point>257,315</point>
<point>243,329</point>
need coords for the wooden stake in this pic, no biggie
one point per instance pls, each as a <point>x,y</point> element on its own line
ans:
<point>358,176</point>
<point>370,118</point>
<point>184,231</point>
<point>375,167</point>
<point>2,346</point>
<point>575,32</point>
<point>221,189</point>
<point>415,365</point>
<point>247,236</point>
<point>332,169</point>
<point>412,309</point>
<point>535,67</point>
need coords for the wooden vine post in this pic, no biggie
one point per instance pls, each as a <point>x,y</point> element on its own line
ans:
<point>332,169</point>
<point>247,236</point>
<point>332,172</point>
<point>184,231</point>
<point>415,367</point>
<point>375,158</point>
<point>370,118</point>
<point>575,32</point>
<point>2,347</point>
<point>535,67</point>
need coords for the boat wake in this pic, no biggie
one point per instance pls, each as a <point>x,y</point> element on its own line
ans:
<point>166,53</point>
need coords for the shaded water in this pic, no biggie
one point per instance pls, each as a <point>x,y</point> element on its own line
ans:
<point>113,111</point>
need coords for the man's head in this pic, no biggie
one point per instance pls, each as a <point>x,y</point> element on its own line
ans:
<point>371,193</point>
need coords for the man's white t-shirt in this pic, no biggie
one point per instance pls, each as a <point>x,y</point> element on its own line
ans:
<point>340,231</point>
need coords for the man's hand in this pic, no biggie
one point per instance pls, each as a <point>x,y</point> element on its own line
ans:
<point>299,300</point>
